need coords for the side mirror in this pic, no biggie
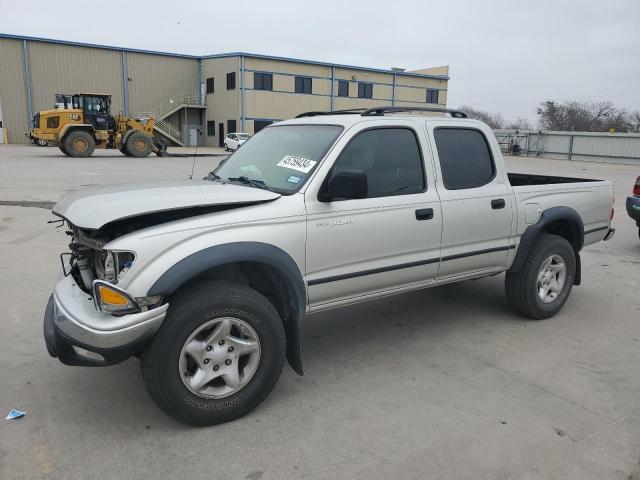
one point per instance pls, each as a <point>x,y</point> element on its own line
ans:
<point>346,186</point>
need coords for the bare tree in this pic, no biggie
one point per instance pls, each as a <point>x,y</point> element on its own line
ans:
<point>519,124</point>
<point>632,123</point>
<point>494,120</point>
<point>584,117</point>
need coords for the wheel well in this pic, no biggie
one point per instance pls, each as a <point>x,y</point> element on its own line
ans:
<point>566,229</point>
<point>267,280</point>
<point>89,130</point>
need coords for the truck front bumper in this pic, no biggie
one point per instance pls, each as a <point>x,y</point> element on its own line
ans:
<point>633,208</point>
<point>78,334</point>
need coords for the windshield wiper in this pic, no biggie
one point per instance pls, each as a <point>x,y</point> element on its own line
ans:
<point>249,181</point>
<point>213,177</point>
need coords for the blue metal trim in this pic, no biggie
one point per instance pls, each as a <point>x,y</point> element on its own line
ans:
<point>242,93</point>
<point>27,78</point>
<point>200,81</point>
<point>93,45</point>
<point>219,55</point>
<point>393,91</point>
<point>324,64</point>
<point>293,93</point>
<point>125,81</point>
<point>333,87</point>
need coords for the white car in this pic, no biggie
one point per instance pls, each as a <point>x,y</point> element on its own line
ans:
<point>233,141</point>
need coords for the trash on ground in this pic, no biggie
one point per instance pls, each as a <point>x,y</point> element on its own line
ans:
<point>15,414</point>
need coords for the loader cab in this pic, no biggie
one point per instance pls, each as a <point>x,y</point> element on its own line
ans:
<point>96,109</point>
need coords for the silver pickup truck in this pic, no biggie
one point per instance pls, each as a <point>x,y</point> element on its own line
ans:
<point>208,282</point>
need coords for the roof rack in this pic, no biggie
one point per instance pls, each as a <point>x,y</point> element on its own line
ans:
<point>335,112</point>
<point>379,111</point>
<point>376,111</point>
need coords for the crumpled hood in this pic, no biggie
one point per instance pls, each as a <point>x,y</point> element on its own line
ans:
<point>92,209</point>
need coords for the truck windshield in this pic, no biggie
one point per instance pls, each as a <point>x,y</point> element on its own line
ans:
<point>280,158</point>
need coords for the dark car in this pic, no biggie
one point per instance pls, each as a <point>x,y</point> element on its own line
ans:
<point>633,204</point>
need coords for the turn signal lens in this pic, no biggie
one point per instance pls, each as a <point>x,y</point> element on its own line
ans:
<point>111,299</point>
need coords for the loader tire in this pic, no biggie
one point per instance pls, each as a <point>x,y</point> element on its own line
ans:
<point>138,145</point>
<point>79,144</point>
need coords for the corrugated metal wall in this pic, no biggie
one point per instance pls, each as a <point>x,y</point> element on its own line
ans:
<point>155,79</point>
<point>584,146</point>
<point>69,69</point>
<point>63,68</point>
<point>12,90</point>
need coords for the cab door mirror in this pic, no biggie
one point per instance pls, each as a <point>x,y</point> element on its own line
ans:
<point>346,185</point>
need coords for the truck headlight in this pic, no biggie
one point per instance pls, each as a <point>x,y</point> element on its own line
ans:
<point>111,299</point>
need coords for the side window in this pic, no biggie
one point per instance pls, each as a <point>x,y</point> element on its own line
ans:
<point>465,159</point>
<point>210,85</point>
<point>391,159</point>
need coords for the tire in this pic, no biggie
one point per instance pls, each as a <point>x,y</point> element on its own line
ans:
<point>162,364</point>
<point>138,145</point>
<point>124,151</point>
<point>522,288</point>
<point>61,147</point>
<point>79,144</point>
<point>226,147</point>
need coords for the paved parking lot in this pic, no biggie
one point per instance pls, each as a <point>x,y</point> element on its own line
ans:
<point>443,383</point>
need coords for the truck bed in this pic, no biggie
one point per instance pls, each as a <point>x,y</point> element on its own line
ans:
<point>523,179</point>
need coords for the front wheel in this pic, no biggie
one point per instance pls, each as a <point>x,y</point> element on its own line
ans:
<point>542,286</point>
<point>217,356</point>
<point>226,147</point>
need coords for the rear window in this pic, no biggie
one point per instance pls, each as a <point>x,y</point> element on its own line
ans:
<point>465,158</point>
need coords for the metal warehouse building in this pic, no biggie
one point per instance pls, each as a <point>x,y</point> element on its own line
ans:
<point>196,100</point>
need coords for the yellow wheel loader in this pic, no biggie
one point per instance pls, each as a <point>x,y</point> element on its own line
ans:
<point>78,129</point>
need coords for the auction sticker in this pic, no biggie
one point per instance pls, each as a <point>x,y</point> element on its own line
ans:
<point>300,164</point>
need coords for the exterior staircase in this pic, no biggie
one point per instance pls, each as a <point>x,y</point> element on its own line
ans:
<point>171,106</point>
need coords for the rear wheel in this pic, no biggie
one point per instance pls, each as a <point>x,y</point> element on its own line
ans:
<point>217,356</point>
<point>226,147</point>
<point>61,147</point>
<point>138,145</point>
<point>542,286</point>
<point>79,144</point>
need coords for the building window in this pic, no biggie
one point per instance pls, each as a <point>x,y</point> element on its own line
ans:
<point>231,126</point>
<point>432,95</point>
<point>231,81</point>
<point>303,85</point>
<point>260,124</point>
<point>211,128</point>
<point>262,81</point>
<point>210,85</point>
<point>365,90</point>
<point>343,88</point>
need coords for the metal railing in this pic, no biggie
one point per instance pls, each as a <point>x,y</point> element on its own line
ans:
<point>170,129</point>
<point>161,111</point>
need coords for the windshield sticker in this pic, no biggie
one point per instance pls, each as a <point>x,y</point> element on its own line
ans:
<point>300,164</point>
<point>294,179</point>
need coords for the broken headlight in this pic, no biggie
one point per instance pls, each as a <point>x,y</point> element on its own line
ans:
<point>111,266</point>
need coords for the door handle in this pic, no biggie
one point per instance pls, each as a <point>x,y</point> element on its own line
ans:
<point>498,203</point>
<point>424,214</point>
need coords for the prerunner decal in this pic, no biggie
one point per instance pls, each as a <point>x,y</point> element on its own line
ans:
<point>300,164</point>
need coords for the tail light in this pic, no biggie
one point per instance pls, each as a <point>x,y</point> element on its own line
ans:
<point>636,187</point>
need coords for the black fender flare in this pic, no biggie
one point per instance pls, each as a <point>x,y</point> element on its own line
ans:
<point>530,235</point>
<point>208,258</point>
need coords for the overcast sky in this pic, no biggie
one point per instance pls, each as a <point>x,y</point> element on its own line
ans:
<point>505,56</point>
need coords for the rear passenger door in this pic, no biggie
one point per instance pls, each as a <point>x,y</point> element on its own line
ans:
<point>386,241</point>
<point>476,201</point>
